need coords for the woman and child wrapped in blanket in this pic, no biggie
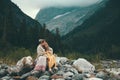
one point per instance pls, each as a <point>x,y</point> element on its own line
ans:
<point>45,57</point>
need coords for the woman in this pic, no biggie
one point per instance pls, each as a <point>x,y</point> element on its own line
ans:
<point>44,53</point>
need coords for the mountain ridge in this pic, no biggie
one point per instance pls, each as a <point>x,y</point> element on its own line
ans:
<point>67,17</point>
<point>99,33</point>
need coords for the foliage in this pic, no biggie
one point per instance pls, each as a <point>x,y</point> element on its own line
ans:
<point>13,55</point>
<point>90,57</point>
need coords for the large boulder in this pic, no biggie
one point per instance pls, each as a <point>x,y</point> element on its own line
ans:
<point>82,65</point>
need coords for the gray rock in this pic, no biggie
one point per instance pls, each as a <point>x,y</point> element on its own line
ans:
<point>3,72</point>
<point>60,73</point>
<point>70,68</point>
<point>92,78</point>
<point>44,77</point>
<point>82,65</point>
<point>61,60</point>
<point>11,79</point>
<point>78,77</point>
<point>6,78</point>
<point>59,79</point>
<point>101,74</point>
<point>25,75</point>
<point>47,73</point>
<point>4,66</point>
<point>68,75</point>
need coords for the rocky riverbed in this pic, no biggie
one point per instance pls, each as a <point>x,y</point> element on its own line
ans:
<point>79,69</point>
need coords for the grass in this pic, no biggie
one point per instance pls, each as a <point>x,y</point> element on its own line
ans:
<point>13,55</point>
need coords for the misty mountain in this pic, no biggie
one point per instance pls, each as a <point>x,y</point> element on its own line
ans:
<point>98,34</point>
<point>66,18</point>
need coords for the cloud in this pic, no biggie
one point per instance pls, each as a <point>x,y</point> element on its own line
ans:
<point>47,3</point>
<point>31,7</point>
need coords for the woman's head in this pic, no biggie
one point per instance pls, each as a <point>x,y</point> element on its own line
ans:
<point>44,44</point>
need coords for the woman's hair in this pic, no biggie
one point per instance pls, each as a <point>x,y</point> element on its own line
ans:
<point>46,46</point>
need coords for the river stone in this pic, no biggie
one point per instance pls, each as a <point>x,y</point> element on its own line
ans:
<point>68,75</point>
<point>4,66</point>
<point>78,77</point>
<point>61,60</point>
<point>3,72</point>
<point>101,74</point>
<point>60,73</point>
<point>59,79</point>
<point>82,65</point>
<point>31,78</point>
<point>25,75</point>
<point>92,78</point>
<point>6,78</point>
<point>70,68</point>
<point>44,77</point>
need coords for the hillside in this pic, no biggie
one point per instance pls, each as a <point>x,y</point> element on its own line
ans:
<point>99,34</point>
<point>16,28</point>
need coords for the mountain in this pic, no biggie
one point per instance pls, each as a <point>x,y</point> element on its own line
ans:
<point>66,18</point>
<point>16,28</point>
<point>99,33</point>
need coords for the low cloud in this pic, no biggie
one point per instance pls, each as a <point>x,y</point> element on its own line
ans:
<point>31,7</point>
<point>67,3</point>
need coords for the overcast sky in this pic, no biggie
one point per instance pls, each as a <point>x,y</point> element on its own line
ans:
<point>31,7</point>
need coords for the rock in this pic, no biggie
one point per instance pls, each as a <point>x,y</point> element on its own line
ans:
<point>68,75</point>
<point>60,73</point>
<point>67,70</point>
<point>82,65</point>
<point>3,72</point>
<point>31,78</point>
<point>11,79</point>
<point>16,77</point>
<point>25,75</point>
<point>114,73</point>
<point>102,74</point>
<point>92,79</point>
<point>44,77</point>
<point>35,73</point>
<point>47,73</point>
<point>70,68</point>
<point>4,66</point>
<point>55,76</point>
<point>59,79</point>
<point>6,78</point>
<point>61,60</point>
<point>78,77</point>
<point>13,70</point>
